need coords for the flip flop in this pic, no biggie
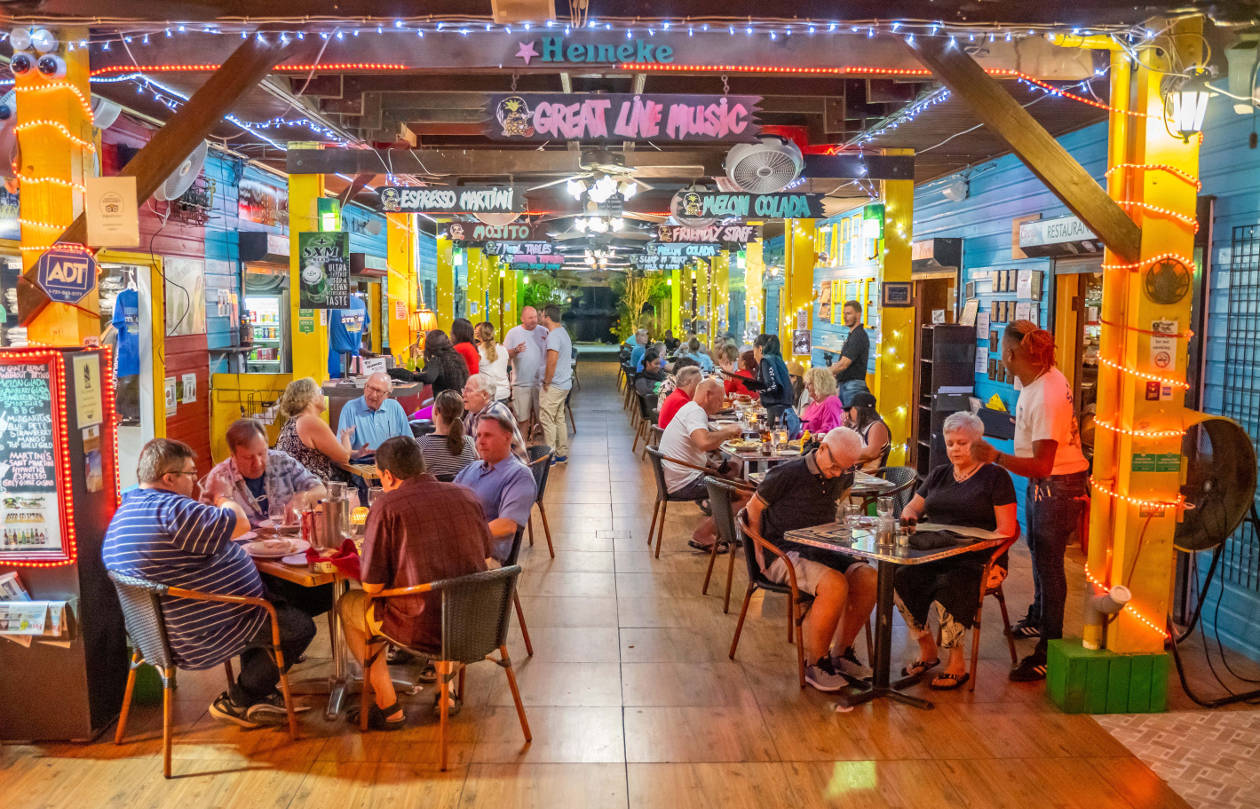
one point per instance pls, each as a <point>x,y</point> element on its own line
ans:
<point>945,681</point>
<point>919,667</point>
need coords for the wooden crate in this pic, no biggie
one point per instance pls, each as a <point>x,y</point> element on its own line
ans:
<point>1080,680</point>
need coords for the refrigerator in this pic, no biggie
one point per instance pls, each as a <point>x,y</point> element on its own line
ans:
<point>267,305</point>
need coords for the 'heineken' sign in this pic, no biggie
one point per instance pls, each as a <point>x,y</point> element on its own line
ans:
<point>685,249</point>
<point>621,117</point>
<point>642,50</point>
<point>749,206</point>
<point>471,199</point>
<point>716,234</point>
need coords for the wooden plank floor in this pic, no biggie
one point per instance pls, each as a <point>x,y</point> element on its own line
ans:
<point>632,700</point>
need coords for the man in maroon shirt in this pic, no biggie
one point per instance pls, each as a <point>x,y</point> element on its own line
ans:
<point>686,380</point>
<point>419,531</point>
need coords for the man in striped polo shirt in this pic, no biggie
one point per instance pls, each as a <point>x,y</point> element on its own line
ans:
<point>162,534</point>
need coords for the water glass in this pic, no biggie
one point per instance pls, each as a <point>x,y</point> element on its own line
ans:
<point>884,506</point>
<point>373,493</point>
<point>852,513</point>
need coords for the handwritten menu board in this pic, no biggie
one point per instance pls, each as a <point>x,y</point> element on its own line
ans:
<point>30,514</point>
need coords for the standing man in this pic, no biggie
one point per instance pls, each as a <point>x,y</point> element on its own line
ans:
<point>374,416</point>
<point>527,346</point>
<point>850,369</point>
<point>557,380</point>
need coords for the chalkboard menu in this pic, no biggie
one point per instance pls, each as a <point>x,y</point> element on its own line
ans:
<point>30,509</point>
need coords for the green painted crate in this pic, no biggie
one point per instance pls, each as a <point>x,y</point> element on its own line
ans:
<point>1081,680</point>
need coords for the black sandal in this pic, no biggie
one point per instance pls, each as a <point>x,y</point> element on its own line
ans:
<point>378,718</point>
<point>919,667</point>
<point>945,681</point>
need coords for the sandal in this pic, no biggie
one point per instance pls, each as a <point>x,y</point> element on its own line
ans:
<point>452,707</point>
<point>721,546</point>
<point>378,718</point>
<point>919,667</point>
<point>946,681</point>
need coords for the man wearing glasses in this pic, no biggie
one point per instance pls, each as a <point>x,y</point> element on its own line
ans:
<point>374,416</point>
<point>800,494</point>
<point>162,534</point>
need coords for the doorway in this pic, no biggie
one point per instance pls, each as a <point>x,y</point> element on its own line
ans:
<point>1077,330</point>
<point>125,328</point>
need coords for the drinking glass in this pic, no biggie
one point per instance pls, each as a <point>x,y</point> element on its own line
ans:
<point>277,512</point>
<point>852,513</point>
<point>373,493</point>
<point>884,506</point>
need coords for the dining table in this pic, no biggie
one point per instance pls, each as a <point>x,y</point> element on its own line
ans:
<point>864,484</point>
<point>366,471</point>
<point>863,544</point>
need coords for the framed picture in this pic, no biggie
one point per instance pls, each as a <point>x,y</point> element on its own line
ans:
<point>970,309</point>
<point>801,343</point>
<point>895,294</point>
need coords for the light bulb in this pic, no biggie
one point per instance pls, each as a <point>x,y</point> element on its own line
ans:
<point>20,39</point>
<point>580,225</point>
<point>617,223</point>
<point>628,189</point>
<point>575,188</point>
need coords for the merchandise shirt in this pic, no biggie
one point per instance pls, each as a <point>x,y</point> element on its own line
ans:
<point>527,365</point>
<point>1044,412</point>
<point>127,321</point>
<point>373,427</point>
<point>345,332</point>
<point>857,347</point>
<point>676,443</point>
<point>174,540</point>
<point>559,342</point>
<point>284,478</point>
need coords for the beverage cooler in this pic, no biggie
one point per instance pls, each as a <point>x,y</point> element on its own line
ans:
<point>62,641</point>
<point>267,310</point>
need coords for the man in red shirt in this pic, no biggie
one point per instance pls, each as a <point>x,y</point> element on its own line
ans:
<point>419,531</point>
<point>686,381</point>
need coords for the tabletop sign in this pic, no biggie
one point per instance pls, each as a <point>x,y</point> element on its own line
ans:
<point>30,509</point>
<point>687,249</point>
<point>534,117</point>
<point>749,206</point>
<point>66,276</point>
<point>519,248</point>
<point>713,234</point>
<point>324,259</point>
<point>470,199</point>
<point>653,263</point>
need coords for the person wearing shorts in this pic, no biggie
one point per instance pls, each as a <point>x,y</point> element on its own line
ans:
<point>799,494</point>
<point>526,344</point>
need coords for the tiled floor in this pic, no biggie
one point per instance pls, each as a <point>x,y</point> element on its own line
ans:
<point>632,699</point>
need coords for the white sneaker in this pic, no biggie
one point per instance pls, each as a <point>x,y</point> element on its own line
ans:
<point>848,665</point>
<point>823,678</point>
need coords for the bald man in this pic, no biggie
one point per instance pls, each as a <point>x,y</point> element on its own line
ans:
<point>799,494</point>
<point>374,416</point>
<point>527,346</point>
<point>689,439</point>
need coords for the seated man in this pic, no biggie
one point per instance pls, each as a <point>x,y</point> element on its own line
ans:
<point>501,481</point>
<point>419,531</point>
<point>262,480</point>
<point>798,494</point>
<point>478,401</point>
<point>695,352</point>
<point>685,382</point>
<point>689,439</point>
<point>161,534</point>
<point>374,416</point>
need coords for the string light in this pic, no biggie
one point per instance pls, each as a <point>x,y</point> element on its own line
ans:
<point>1128,606</point>
<point>50,86</point>
<point>1185,219</point>
<point>1137,265</point>
<point>1050,88</point>
<point>1135,501</point>
<point>1163,380</point>
<point>26,178</point>
<point>1184,176</point>
<point>35,223</point>
<point>60,127</point>
<point>1138,433</point>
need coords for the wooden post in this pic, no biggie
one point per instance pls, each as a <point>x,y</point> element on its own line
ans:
<point>675,302</point>
<point>475,289</point>
<point>894,372</point>
<point>444,306</point>
<point>400,285</point>
<point>754,279</point>
<point>721,314</point>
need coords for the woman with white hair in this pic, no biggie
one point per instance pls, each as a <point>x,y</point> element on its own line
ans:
<point>824,410</point>
<point>963,492</point>
<point>305,435</point>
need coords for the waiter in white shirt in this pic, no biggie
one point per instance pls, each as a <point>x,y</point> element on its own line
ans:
<point>1048,453</point>
<point>527,346</point>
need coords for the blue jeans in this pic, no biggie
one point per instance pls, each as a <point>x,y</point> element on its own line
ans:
<point>849,389</point>
<point>259,675</point>
<point>1052,510</point>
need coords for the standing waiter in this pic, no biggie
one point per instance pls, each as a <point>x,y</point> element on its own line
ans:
<point>850,369</point>
<point>1048,453</point>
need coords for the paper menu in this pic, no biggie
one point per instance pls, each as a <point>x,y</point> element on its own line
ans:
<point>982,324</point>
<point>982,360</point>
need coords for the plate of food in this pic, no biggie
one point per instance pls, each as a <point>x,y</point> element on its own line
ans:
<point>742,445</point>
<point>275,548</point>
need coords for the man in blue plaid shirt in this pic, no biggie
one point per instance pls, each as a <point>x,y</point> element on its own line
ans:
<point>260,478</point>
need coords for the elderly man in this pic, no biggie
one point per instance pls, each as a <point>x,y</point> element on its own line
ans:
<point>419,531</point>
<point>478,401</point>
<point>162,534</point>
<point>501,481</point>
<point>556,384</point>
<point>798,494</point>
<point>685,382</point>
<point>262,480</point>
<point>527,346</point>
<point>689,439</point>
<point>374,416</point>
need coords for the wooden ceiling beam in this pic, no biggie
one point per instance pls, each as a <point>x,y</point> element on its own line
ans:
<point>993,106</point>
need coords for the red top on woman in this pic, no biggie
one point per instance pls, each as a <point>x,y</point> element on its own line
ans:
<point>469,352</point>
<point>736,386</point>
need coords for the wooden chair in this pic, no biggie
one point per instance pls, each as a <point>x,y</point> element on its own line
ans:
<point>663,495</point>
<point>647,420</point>
<point>540,464</point>
<point>798,602</point>
<point>475,614</point>
<point>722,493</point>
<point>654,440</point>
<point>996,593</point>
<point>141,602</point>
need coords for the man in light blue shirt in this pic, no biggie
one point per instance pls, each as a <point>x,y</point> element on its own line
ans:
<point>694,352</point>
<point>374,416</point>
<point>557,380</point>
<point>640,346</point>
<point>501,481</point>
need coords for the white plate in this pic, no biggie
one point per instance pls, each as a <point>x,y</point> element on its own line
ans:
<point>248,536</point>
<point>260,550</point>
<point>297,560</point>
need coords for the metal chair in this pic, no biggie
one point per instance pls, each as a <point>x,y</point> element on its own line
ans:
<point>631,376</point>
<point>905,478</point>
<point>540,456</point>
<point>647,419</point>
<point>577,383</point>
<point>475,613</point>
<point>568,408</point>
<point>798,602</point>
<point>721,494</point>
<point>141,602</point>
<point>663,495</point>
<point>654,438</point>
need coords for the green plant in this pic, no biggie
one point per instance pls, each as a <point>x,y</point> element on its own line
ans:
<point>634,291</point>
<point>542,290</point>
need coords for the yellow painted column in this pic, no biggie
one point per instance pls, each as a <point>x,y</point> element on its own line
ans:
<point>754,278</point>
<point>444,290</point>
<point>309,327</point>
<point>721,295</point>
<point>475,308</point>
<point>1138,531</point>
<point>894,378</point>
<point>401,282</point>
<point>704,296</point>
<point>509,314</point>
<point>54,132</point>
<point>675,301</point>
<point>799,253</point>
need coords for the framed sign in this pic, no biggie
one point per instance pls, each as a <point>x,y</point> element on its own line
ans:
<point>896,294</point>
<point>538,117</point>
<point>478,232</point>
<point>469,199</point>
<point>325,270</point>
<point>749,206</point>
<point>686,249</point>
<point>712,234</point>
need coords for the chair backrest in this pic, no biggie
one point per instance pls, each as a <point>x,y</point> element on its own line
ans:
<point>515,551</point>
<point>655,456</point>
<point>421,427</point>
<point>720,495</point>
<point>142,614</point>
<point>654,437</point>
<point>540,464</point>
<point>645,409</point>
<point>750,537</point>
<point>475,611</point>
<point>905,477</point>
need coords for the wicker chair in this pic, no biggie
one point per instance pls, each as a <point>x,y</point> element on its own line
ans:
<point>905,478</point>
<point>722,492</point>
<point>647,420</point>
<point>475,613</point>
<point>141,602</point>
<point>540,457</point>
<point>512,556</point>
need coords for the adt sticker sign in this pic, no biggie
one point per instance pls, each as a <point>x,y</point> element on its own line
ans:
<point>66,276</point>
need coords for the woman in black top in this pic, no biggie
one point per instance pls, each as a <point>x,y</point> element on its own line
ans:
<point>962,492</point>
<point>772,377</point>
<point>448,449</point>
<point>444,368</point>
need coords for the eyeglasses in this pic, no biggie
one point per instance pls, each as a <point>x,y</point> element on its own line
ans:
<point>831,466</point>
<point>181,472</point>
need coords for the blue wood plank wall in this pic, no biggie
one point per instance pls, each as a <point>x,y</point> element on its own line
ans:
<point>366,229</point>
<point>426,266</point>
<point>829,331</point>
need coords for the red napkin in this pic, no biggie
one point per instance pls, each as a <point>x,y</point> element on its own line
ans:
<point>345,558</point>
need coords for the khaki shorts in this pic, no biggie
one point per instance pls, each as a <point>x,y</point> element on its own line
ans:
<point>524,402</point>
<point>355,610</point>
<point>808,573</point>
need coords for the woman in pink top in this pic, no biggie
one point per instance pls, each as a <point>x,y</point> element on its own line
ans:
<point>824,410</point>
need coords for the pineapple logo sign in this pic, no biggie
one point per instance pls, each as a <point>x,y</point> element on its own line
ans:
<point>66,276</point>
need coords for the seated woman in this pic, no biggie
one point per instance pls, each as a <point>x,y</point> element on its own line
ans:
<point>735,372</point>
<point>444,368</point>
<point>800,396</point>
<point>447,449</point>
<point>824,410</point>
<point>653,373</point>
<point>865,419</point>
<point>962,492</point>
<point>465,343</point>
<point>306,436</point>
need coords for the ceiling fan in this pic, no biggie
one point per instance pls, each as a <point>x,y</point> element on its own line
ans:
<point>600,175</point>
